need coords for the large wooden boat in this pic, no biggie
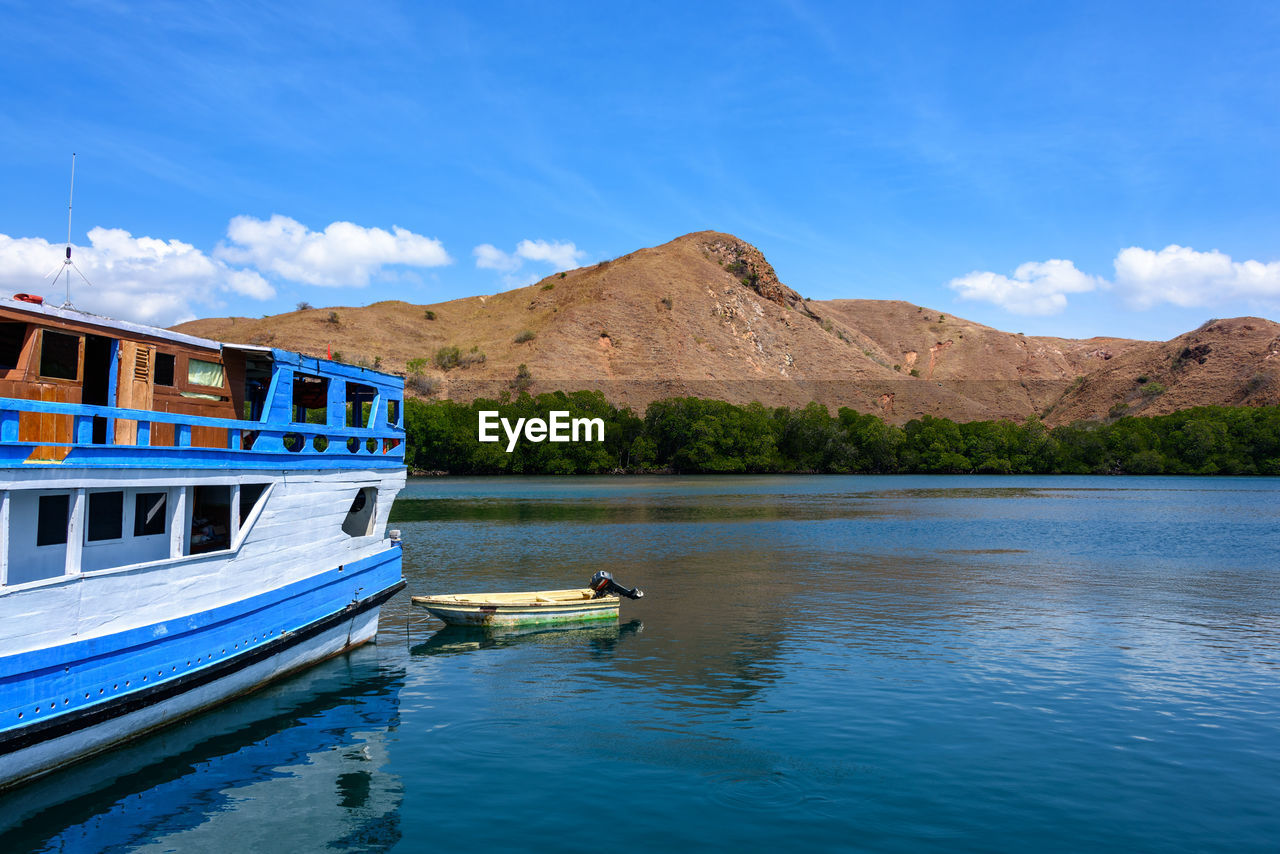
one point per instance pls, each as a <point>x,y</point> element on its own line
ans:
<point>182,521</point>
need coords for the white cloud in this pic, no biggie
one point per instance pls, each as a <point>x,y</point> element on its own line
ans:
<point>490,257</point>
<point>1036,288</point>
<point>250,284</point>
<point>1184,277</point>
<point>1178,275</point>
<point>559,256</point>
<point>343,255</point>
<point>134,278</point>
<point>562,256</point>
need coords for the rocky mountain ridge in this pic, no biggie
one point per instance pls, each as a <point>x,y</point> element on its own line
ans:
<point>707,315</point>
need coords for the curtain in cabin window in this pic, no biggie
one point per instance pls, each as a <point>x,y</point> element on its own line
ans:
<point>204,373</point>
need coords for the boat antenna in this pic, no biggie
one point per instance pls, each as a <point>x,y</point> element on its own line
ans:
<point>67,264</point>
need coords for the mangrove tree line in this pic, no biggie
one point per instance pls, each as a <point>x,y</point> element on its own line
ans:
<point>694,435</point>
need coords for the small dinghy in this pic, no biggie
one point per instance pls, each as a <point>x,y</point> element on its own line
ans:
<point>599,601</point>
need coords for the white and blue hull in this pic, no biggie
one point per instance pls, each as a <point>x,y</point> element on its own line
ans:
<point>90,659</point>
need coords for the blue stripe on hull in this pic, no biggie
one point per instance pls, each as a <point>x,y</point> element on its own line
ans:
<point>62,740</point>
<point>72,678</point>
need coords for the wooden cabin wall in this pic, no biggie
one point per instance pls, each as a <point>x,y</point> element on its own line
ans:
<point>171,398</point>
<point>134,386</point>
<point>43,426</point>
<point>24,383</point>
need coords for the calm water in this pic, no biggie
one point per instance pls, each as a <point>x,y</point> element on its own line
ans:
<point>834,663</point>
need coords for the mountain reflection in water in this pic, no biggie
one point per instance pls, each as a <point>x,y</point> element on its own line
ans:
<point>551,512</point>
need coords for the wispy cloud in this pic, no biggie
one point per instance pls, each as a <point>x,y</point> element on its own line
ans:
<point>559,255</point>
<point>343,255</point>
<point>556,255</point>
<point>490,257</point>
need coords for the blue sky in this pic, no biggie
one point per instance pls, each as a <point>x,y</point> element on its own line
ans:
<point>1071,169</point>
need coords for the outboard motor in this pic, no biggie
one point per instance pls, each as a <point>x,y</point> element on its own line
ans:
<point>603,585</point>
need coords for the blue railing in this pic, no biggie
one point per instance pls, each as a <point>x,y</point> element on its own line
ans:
<point>248,443</point>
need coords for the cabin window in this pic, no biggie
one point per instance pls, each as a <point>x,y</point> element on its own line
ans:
<point>164,368</point>
<point>12,336</point>
<point>149,513</point>
<point>393,413</point>
<point>359,521</point>
<point>210,519</point>
<point>359,401</point>
<point>59,356</point>
<point>51,520</point>
<point>200,372</point>
<point>310,399</point>
<point>106,516</point>
<point>250,495</point>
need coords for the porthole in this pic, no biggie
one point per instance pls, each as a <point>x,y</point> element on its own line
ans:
<point>360,516</point>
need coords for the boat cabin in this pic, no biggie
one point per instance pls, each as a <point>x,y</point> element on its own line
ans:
<point>88,372</point>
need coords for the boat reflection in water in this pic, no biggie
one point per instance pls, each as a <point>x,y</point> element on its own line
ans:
<point>452,640</point>
<point>239,777</point>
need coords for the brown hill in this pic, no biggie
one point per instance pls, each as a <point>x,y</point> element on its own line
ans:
<point>1227,362</point>
<point>706,315</point>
